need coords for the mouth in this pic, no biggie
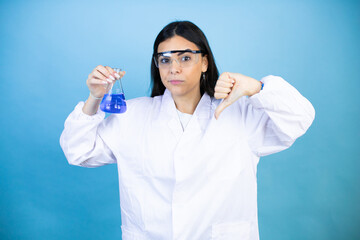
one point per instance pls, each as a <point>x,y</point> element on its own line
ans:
<point>176,82</point>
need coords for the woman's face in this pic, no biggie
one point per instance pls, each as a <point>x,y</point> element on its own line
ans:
<point>182,82</point>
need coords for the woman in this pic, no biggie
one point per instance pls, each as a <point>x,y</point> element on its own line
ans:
<point>187,156</point>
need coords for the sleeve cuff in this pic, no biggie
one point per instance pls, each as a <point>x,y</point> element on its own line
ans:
<point>80,115</point>
<point>270,83</point>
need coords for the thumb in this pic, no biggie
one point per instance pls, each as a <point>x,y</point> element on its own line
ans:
<point>224,104</point>
<point>234,95</point>
<point>122,73</point>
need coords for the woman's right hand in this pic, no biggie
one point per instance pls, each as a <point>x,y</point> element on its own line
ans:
<point>101,79</point>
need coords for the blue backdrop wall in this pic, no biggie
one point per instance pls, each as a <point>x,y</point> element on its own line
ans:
<point>48,48</point>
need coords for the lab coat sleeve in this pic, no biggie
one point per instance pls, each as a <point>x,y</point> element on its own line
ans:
<point>81,142</point>
<point>276,116</point>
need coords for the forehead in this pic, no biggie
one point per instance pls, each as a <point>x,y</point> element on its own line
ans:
<point>176,43</point>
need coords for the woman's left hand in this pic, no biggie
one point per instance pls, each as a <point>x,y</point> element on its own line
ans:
<point>231,87</point>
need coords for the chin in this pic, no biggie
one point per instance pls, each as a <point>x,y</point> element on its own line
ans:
<point>182,90</point>
<point>176,92</point>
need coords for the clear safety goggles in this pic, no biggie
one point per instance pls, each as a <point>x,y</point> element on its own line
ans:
<point>184,58</point>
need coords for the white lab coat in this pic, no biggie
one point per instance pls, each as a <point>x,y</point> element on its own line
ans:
<point>194,184</point>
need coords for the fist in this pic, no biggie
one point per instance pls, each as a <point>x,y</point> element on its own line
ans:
<point>231,87</point>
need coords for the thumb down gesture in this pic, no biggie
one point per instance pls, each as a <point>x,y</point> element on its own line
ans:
<point>231,87</point>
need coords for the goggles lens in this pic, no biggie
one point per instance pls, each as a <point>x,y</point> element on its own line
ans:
<point>184,58</point>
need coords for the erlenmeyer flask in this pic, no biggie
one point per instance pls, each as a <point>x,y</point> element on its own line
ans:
<point>114,100</point>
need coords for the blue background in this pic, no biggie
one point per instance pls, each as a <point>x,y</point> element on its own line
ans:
<point>48,48</point>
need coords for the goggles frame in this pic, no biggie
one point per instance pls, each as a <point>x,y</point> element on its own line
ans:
<point>157,55</point>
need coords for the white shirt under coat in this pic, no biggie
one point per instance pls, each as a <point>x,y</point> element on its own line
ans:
<point>194,183</point>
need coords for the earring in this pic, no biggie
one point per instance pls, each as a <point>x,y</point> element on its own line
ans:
<point>203,76</point>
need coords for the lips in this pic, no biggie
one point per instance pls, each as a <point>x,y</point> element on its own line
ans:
<point>176,82</point>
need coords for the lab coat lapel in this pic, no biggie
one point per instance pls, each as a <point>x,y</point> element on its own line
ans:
<point>186,161</point>
<point>197,123</point>
<point>200,117</point>
<point>168,109</point>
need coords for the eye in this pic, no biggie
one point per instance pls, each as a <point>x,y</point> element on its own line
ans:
<point>164,60</point>
<point>185,58</point>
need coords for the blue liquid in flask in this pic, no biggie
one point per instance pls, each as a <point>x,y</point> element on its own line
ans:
<point>113,103</point>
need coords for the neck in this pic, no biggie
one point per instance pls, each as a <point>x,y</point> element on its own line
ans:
<point>187,104</point>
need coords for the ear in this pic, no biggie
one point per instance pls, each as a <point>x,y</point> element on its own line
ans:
<point>205,64</point>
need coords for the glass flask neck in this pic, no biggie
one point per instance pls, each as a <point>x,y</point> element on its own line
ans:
<point>116,88</point>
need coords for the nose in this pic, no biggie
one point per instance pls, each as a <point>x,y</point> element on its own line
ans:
<point>175,67</point>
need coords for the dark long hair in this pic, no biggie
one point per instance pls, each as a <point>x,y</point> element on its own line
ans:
<point>192,33</point>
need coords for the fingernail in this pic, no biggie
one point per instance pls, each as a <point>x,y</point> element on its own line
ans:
<point>117,75</point>
<point>105,83</point>
<point>112,78</point>
<point>232,81</point>
<point>109,80</point>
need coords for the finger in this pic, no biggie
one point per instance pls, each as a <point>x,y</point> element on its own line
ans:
<point>111,71</point>
<point>224,104</point>
<point>119,75</point>
<point>115,74</point>
<point>220,95</point>
<point>100,76</point>
<point>235,76</point>
<point>122,73</point>
<point>95,81</point>
<point>222,89</point>
<point>103,70</point>
<point>224,84</point>
<point>225,77</point>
